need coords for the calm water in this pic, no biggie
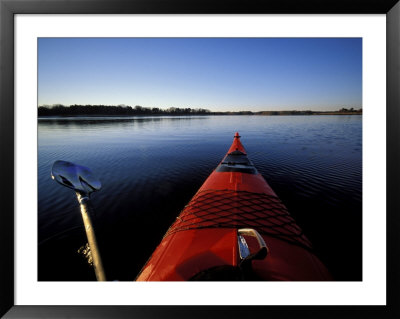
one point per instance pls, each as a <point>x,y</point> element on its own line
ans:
<point>150,168</point>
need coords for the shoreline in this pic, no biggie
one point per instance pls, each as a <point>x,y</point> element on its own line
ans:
<point>192,115</point>
<point>124,111</point>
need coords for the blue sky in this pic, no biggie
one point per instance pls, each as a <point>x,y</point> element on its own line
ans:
<point>219,74</point>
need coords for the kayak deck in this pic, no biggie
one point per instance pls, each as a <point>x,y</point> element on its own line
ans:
<point>240,209</point>
<point>204,242</point>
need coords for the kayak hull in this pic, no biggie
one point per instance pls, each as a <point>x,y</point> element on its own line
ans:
<point>202,244</point>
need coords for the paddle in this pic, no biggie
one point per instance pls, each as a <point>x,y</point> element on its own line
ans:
<point>83,182</point>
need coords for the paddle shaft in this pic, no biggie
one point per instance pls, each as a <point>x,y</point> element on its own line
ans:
<point>86,210</point>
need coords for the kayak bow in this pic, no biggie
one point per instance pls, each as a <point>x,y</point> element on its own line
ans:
<point>234,228</point>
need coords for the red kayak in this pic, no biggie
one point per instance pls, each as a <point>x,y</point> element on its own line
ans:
<point>234,228</point>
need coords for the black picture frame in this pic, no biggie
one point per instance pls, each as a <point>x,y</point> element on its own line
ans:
<point>8,8</point>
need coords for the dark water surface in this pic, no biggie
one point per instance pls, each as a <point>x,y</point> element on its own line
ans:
<point>150,167</point>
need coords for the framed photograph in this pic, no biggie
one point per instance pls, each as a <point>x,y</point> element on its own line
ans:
<point>174,75</point>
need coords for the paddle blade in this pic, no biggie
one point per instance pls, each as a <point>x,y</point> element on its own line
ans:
<point>76,177</point>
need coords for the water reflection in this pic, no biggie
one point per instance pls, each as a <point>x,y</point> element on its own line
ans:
<point>67,121</point>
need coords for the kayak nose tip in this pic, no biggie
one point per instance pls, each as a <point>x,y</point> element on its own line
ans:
<point>237,135</point>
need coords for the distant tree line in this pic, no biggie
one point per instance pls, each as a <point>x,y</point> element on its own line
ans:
<point>75,109</point>
<point>351,110</point>
<point>308,112</point>
<point>121,110</point>
<point>286,113</point>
